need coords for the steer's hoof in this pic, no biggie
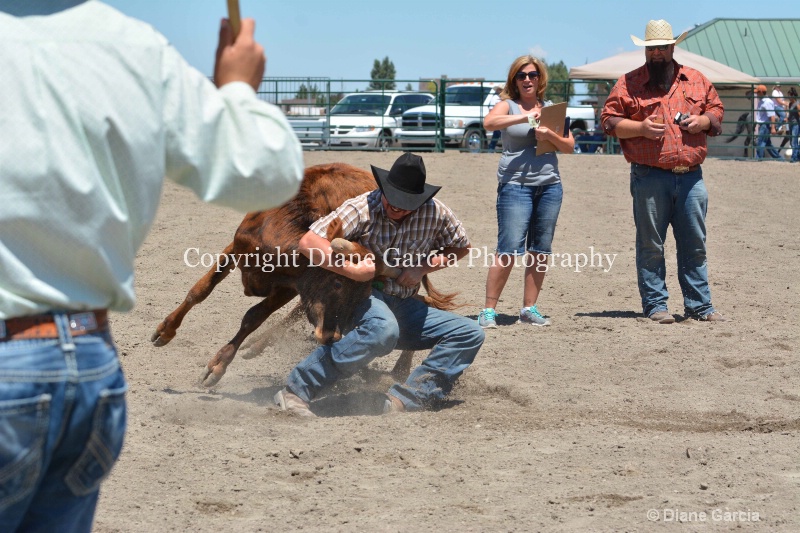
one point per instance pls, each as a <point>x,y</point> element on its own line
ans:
<point>208,378</point>
<point>159,338</point>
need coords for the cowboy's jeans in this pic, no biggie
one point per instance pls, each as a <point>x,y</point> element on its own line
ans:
<point>660,199</point>
<point>384,323</point>
<point>62,422</point>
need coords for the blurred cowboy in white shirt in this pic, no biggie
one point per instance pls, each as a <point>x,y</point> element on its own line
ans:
<point>96,109</point>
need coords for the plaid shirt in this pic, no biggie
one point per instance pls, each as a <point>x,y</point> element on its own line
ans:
<point>690,93</point>
<point>430,228</point>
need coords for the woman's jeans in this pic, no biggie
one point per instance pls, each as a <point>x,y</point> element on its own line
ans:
<point>62,422</point>
<point>383,323</point>
<point>795,148</point>
<point>527,217</point>
<point>662,198</point>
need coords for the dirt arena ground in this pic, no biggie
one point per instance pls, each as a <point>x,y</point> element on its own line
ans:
<point>602,422</point>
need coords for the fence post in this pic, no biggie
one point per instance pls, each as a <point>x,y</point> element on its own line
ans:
<point>440,116</point>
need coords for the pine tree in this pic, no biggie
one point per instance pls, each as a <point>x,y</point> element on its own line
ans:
<point>383,70</point>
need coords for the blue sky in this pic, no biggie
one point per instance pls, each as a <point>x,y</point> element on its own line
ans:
<point>429,38</point>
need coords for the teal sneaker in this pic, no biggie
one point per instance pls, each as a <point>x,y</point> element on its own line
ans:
<point>531,315</point>
<point>486,319</point>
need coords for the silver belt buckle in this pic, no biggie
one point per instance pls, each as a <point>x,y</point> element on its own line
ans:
<point>82,321</point>
<point>680,170</point>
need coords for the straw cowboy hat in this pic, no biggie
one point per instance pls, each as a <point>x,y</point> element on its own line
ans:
<point>658,32</point>
<point>404,185</point>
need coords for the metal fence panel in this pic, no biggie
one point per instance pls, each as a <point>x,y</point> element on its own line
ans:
<point>309,101</point>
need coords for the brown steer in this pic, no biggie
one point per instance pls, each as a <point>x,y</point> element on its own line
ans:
<point>264,249</point>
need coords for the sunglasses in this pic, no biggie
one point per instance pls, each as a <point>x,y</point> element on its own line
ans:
<point>660,48</point>
<point>520,76</point>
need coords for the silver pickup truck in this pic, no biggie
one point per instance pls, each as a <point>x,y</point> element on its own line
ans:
<point>465,106</point>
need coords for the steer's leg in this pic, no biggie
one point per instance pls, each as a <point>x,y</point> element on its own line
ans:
<point>261,341</point>
<point>253,318</point>
<point>402,368</point>
<point>165,331</point>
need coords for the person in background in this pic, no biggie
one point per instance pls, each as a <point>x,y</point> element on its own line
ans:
<point>794,124</point>
<point>99,110</point>
<point>662,113</point>
<point>529,190</point>
<point>493,101</point>
<point>787,127</point>
<point>780,106</point>
<point>766,124</point>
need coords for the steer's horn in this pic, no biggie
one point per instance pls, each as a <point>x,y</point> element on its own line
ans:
<point>355,251</point>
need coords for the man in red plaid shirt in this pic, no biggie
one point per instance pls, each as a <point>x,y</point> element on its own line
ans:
<point>662,113</point>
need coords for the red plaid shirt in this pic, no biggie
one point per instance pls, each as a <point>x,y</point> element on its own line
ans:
<point>431,227</point>
<point>690,93</point>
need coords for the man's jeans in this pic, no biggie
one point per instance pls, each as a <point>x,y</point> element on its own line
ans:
<point>384,323</point>
<point>795,142</point>
<point>764,140</point>
<point>661,198</point>
<point>62,422</point>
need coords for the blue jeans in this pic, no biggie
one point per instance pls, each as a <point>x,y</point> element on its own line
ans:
<point>526,218</point>
<point>661,198</point>
<point>764,140</point>
<point>795,136</point>
<point>383,323</point>
<point>62,422</point>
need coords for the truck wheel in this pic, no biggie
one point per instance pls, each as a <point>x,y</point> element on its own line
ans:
<point>384,141</point>
<point>473,140</point>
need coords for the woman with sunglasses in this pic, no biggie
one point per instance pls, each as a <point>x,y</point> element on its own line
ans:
<point>528,191</point>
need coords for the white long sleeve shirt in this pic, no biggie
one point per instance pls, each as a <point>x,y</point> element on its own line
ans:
<point>96,109</point>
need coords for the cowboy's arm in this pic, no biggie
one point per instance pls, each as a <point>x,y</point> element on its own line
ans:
<point>615,121</point>
<point>713,113</point>
<point>319,253</point>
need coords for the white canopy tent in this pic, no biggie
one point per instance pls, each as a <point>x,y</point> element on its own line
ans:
<point>611,68</point>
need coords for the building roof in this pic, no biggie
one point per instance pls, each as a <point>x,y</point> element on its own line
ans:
<point>768,49</point>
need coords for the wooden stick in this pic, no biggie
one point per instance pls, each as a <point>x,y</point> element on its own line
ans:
<point>234,18</point>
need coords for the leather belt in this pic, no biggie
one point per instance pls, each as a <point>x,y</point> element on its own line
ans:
<point>683,169</point>
<point>677,170</point>
<point>44,326</point>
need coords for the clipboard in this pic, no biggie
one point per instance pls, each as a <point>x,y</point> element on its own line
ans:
<point>553,117</point>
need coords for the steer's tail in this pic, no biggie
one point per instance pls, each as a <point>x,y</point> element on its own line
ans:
<point>439,300</point>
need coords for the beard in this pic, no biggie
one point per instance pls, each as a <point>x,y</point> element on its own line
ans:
<point>659,73</point>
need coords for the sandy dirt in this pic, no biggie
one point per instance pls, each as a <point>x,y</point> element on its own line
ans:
<point>602,422</point>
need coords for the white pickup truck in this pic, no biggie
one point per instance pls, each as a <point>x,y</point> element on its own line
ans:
<point>369,119</point>
<point>465,106</point>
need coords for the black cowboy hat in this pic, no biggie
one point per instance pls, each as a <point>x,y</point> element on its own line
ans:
<point>404,185</point>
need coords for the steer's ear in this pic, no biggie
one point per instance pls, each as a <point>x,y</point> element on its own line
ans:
<point>335,229</point>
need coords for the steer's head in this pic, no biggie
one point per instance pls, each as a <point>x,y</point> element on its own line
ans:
<point>328,298</point>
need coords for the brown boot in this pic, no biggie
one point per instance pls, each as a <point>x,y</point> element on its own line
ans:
<point>662,317</point>
<point>288,401</point>
<point>393,405</point>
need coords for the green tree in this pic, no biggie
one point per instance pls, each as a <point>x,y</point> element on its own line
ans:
<point>383,70</point>
<point>320,97</point>
<point>559,88</point>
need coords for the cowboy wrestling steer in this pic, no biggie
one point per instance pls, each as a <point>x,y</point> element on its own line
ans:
<point>327,298</point>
